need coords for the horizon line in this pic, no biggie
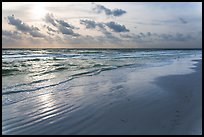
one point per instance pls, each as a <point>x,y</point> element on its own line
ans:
<point>108,48</point>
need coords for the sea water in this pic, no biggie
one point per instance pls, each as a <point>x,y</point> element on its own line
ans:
<point>31,70</point>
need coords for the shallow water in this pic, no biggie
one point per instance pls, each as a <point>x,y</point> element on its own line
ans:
<point>30,70</point>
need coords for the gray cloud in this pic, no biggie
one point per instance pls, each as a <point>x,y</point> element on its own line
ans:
<point>67,31</point>
<point>36,34</point>
<point>51,34</point>
<point>50,29</point>
<point>65,24</point>
<point>126,36</point>
<point>89,23</point>
<point>183,21</point>
<point>49,18</point>
<point>62,26</point>
<point>157,22</point>
<point>173,37</point>
<point>92,41</point>
<point>110,37</point>
<point>116,12</point>
<point>11,34</point>
<point>117,27</point>
<point>18,24</point>
<point>106,33</point>
<point>23,27</point>
<point>92,24</point>
<point>179,37</point>
<point>149,36</point>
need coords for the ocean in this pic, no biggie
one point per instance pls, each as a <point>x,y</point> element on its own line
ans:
<point>32,73</point>
<point>29,70</point>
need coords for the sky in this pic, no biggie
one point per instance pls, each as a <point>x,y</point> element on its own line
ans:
<point>102,25</point>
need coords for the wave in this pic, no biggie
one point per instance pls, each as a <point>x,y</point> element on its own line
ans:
<point>36,59</point>
<point>51,71</point>
<point>7,72</point>
<point>54,58</point>
<point>71,77</point>
<point>57,65</point>
<point>26,84</point>
<point>35,89</point>
<point>99,65</point>
<point>89,52</point>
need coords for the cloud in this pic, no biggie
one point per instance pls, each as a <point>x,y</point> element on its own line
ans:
<point>23,27</point>
<point>62,26</point>
<point>183,21</point>
<point>116,12</point>
<point>174,37</point>
<point>11,34</point>
<point>149,37</point>
<point>18,24</point>
<point>126,36</point>
<point>67,31</point>
<point>51,34</point>
<point>49,18</point>
<point>182,37</point>
<point>117,27</point>
<point>50,29</point>
<point>106,33</point>
<point>159,22</point>
<point>92,24</point>
<point>92,41</point>
<point>65,24</point>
